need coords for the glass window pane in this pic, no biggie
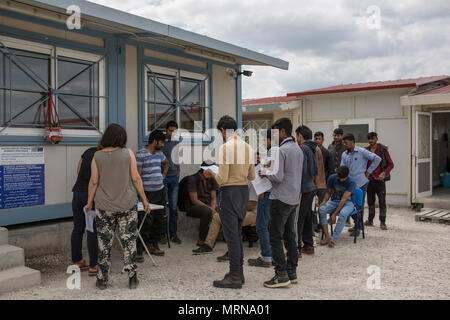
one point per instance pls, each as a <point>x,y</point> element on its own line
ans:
<point>159,115</point>
<point>3,67</point>
<point>161,89</point>
<point>424,136</point>
<point>87,107</point>
<point>4,106</point>
<point>78,76</point>
<point>189,115</point>
<point>25,80</point>
<point>191,92</point>
<point>22,110</point>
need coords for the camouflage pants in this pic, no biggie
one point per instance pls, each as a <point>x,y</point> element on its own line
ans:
<point>126,223</point>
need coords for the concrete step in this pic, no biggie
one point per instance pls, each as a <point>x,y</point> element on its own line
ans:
<point>18,278</point>
<point>11,257</point>
<point>3,236</point>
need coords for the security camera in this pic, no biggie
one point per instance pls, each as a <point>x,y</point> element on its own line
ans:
<point>246,73</point>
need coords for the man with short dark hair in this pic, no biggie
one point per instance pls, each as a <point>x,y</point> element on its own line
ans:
<point>310,172</point>
<point>285,175</point>
<point>171,181</point>
<point>356,159</point>
<point>152,166</point>
<point>340,187</point>
<point>336,148</point>
<point>236,169</point>
<point>377,180</point>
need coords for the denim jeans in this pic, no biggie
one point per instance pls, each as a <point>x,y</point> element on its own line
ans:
<point>171,184</point>
<point>283,231</point>
<point>359,223</point>
<point>262,226</point>
<point>329,209</point>
<point>79,226</point>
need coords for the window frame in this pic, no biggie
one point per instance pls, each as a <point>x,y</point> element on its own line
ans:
<point>54,51</point>
<point>178,74</point>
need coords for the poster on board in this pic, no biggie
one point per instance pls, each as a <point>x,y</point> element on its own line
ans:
<point>22,181</point>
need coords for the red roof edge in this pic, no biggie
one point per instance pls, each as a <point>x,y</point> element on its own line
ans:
<point>324,91</point>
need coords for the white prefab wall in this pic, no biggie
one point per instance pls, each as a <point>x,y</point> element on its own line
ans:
<point>224,94</point>
<point>391,124</point>
<point>131,93</point>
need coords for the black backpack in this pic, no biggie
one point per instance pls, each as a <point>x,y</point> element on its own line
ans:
<point>183,194</point>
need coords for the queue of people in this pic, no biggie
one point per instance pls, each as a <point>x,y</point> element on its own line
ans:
<point>111,179</point>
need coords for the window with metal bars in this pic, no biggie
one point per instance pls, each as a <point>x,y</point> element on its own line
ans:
<point>30,71</point>
<point>178,96</point>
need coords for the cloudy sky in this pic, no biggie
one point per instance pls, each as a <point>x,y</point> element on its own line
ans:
<point>325,42</point>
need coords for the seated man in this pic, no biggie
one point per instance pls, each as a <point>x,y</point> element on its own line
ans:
<point>214,228</point>
<point>341,188</point>
<point>201,203</point>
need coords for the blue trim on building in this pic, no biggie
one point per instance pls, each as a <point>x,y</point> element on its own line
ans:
<point>33,214</point>
<point>239,98</point>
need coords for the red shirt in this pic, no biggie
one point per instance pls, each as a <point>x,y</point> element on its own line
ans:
<point>378,171</point>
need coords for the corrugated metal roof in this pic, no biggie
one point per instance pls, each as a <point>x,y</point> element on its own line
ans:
<point>144,25</point>
<point>269,100</point>
<point>378,85</point>
<point>441,90</point>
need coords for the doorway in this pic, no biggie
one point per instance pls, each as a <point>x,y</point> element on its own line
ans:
<point>440,153</point>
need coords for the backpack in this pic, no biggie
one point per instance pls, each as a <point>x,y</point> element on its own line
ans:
<point>183,194</point>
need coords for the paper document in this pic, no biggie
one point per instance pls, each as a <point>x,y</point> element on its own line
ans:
<point>90,218</point>
<point>214,169</point>
<point>261,185</point>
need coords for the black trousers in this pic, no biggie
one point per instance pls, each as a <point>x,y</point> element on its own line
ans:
<point>377,188</point>
<point>233,202</point>
<point>151,230</point>
<point>304,223</point>
<point>79,226</point>
<point>282,229</point>
<point>204,214</point>
<point>320,193</point>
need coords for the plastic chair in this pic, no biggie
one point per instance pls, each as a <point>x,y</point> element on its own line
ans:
<point>358,211</point>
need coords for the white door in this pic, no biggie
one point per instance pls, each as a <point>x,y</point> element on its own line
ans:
<point>424,185</point>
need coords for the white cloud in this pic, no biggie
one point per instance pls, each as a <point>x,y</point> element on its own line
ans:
<point>326,42</point>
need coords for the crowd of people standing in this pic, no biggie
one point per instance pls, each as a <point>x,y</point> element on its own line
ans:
<point>111,180</point>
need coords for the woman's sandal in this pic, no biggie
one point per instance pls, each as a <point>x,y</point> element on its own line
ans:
<point>82,265</point>
<point>331,243</point>
<point>93,271</point>
<point>323,242</point>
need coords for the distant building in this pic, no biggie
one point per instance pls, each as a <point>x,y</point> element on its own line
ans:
<point>411,116</point>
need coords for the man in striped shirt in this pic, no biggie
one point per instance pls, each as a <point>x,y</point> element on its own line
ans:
<point>152,166</point>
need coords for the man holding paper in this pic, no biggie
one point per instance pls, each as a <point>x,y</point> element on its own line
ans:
<point>236,169</point>
<point>286,178</point>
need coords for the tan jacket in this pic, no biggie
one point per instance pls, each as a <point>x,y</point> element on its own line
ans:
<point>236,166</point>
<point>320,180</point>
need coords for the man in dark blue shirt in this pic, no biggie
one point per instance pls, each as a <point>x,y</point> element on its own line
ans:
<point>341,189</point>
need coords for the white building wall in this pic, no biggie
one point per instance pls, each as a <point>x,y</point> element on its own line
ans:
<point>391,124</point>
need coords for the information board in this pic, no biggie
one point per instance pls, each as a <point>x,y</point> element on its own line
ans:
<point>22,181</point>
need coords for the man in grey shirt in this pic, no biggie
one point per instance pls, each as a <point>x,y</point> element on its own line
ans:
<point>286,178</point>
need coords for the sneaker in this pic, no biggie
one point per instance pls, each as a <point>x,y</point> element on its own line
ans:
<point>259,262</point>
<point>202,250</point>
<point>308,250</point>
<point>174,238</point>
<point>350,229</point>
<point>223,258</point>
<point>278,281</point>
<point>292,277</point>
<point>101,284</point>
<point>133,282</point>
<point>231,280</point>
<point>153,248</point>
<point>368,223</point>
<point>139,258</point>
<point>383,226</point>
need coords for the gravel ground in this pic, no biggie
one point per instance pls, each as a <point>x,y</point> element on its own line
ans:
<point>413,257</point>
